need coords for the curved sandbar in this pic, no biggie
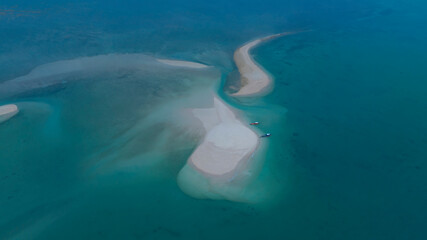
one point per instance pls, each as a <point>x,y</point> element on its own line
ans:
<point>227,146</point>
<point>8,111</point>
<point>179,63</point>
<point>253,79</point>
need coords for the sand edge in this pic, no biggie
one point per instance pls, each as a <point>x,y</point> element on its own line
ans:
<point>7,112</point>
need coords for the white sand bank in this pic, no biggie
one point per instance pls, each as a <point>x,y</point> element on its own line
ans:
<point>178,63</point>
<point>227,142</point>
<point>223,154</point>
<point>8,111</point>
<point>254,80</point>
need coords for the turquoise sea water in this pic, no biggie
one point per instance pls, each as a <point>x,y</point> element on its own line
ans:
<point>96,155</point>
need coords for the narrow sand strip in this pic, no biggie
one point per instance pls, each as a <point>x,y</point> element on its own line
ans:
<point>178,63</point>
<point>228,141</point>
<point>253,79</point>
<point>8,111</point>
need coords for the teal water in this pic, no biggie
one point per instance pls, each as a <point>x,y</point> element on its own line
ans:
<point>96,155</point>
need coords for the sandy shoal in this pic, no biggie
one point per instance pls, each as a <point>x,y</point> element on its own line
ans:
<point>8,111</point>
<point>228,142</point>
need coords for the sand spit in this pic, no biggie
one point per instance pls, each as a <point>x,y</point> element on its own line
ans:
<point>8,111</point>
<point>254,80</point>
<point>223,155</point>
<point>178,63</point>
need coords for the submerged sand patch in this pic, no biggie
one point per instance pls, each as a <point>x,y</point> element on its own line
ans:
<point>61,72</point>
<point>180,63</point>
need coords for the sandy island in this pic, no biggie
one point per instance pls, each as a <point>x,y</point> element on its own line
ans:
<point>253,79</point>
<point>227,143</point>
<point>178,63</point>
<point>223,154</point>
<point>8,111</point>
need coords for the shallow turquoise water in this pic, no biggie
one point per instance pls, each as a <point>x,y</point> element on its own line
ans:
<point>83,159</point>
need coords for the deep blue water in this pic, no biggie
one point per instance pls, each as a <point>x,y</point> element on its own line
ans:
<point>357,108</point>
<point>348,115</point>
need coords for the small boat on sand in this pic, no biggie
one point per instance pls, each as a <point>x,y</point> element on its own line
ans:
<point>254,123</point>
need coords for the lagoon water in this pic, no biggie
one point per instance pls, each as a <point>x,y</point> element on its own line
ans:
<point>95,154</point>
